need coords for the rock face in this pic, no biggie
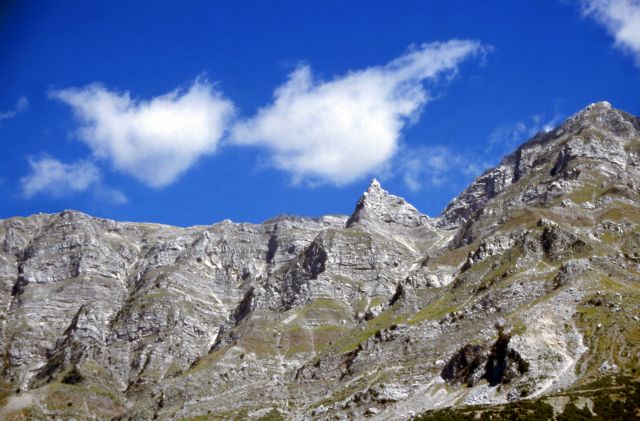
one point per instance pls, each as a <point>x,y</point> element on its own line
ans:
<point>378,206</point>
<point>497,365</point>
<point>337,317</point>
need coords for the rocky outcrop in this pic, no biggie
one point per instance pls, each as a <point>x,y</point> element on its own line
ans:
<point>462,366</point>
<point>378,206</point>
<point>598,139</point>
<point>497,364</point>
<point>336,317</point>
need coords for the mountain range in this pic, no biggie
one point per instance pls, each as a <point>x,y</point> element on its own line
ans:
<point>522,297</point>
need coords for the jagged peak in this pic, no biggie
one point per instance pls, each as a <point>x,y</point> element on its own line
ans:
<point>599,105</point>
<point>601,115</point>
<point>376,205</point>
<point>375,193</point>
<point>592,111</point>
<point>597,132</point>
<point>374,185</point>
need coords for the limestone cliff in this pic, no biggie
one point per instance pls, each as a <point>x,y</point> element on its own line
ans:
<point>527,284</point>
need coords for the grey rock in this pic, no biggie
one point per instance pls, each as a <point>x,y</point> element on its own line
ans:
<point>337,317</point>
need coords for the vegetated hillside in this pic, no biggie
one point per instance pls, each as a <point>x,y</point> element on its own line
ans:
<point>522,297</point>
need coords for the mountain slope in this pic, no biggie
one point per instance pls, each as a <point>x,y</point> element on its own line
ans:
<point>527,284</point>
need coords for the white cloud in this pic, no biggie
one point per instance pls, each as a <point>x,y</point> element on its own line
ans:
<point>152,140</point>
<point>340,130</point>
<point>507,138</point>
<point>21,105</point>
<point>621,18</point>
<point>437,166</point>
<point>55,178</point>
<point>107,194</point>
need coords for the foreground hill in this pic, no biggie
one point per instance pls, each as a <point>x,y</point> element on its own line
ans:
<point>525,290</point>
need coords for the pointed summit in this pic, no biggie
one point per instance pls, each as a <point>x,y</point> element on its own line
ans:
<point>601,115</point>
<point>374,184</point>
<point>592,112</point>
<point>593,144</point>
<point>601,105</point>
<point>379,206</point>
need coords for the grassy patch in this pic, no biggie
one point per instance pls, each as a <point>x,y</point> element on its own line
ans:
<point>241,414</point>
<point>356,336</point>
<point>343,393</point>
<point>609,331</point>
<point>72,401</point>
<point>6,390</point>
<point>317,339</point>
<point>435,310</point>
<point>620,211</point>
<point>453,257</point>
<point>616,399</point>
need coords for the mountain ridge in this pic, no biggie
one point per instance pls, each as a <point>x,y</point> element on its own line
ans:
<point>384,313</point>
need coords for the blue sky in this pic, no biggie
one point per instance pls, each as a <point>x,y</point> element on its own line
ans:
<point>192,112</point>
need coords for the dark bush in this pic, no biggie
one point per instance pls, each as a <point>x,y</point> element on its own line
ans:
<point>73,376</point>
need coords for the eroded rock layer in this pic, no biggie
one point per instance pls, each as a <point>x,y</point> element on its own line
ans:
<point>528,283</point>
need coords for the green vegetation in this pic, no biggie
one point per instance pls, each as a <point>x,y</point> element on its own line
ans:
<point>238,415</point>
<point>73,376</point>
<point>520,411</point>
<point>453,257</point>
<point>633,146</point>
<point>609,331</point>
<point>207,361</point>
<point>521,218</point>
<point>612,398</point>
<point>357,336</point>
<point>321,308</point>
<point>5,391</point>
<point>273,415</point>
<point>435,310</point>
<point>341,394</point>
<point>299,339</point>
<point>67,401</point>
<point>519,327</point>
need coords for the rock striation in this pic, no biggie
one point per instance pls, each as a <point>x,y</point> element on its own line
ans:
<point>528,283</point>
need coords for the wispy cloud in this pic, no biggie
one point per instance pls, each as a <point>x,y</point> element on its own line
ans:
<point>506,138</point>
<point>153,140</point>
<point>434,167</point>
<point>51,177</point>
<point>340,130</point>
<point>621,18</point>
<point>441,166</point>
<point>21,105</point>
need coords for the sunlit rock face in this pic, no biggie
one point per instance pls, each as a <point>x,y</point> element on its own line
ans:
<point>513,292</point>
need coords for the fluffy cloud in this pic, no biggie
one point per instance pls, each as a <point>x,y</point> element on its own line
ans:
<point>621,18</point>
<point>52,177</point>
<point>153,140</point>
<point>21,105</point>
<point>340,130</point>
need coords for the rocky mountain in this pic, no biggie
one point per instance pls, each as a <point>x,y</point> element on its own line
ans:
<point>525,290</point>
